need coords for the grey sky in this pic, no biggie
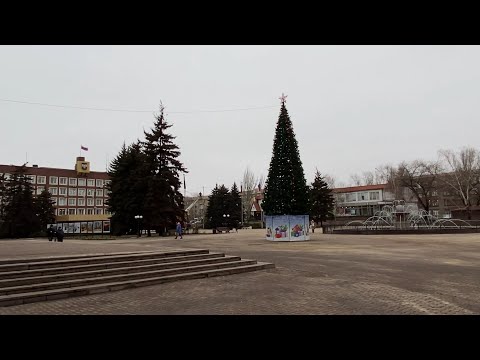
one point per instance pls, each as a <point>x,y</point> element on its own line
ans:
<point>352,107</point>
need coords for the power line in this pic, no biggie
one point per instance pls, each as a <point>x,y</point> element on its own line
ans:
<point>134,111</point>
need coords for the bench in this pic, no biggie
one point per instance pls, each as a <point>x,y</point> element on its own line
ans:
<point>223,229</point>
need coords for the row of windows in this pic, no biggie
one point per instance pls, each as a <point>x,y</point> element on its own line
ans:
<point>55,180</point>
<point>360,196</point>
<point>72,191</point>
<point>64,211</point>
<point>76,202</point>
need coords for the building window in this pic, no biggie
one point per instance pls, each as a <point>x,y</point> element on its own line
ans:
<point>374,195</point>
<point>89,202</point>
<point>63,181</point>
<point>71,211</point>
<point>41,179</point>
<point>72,191</point>
<point>351,197</point>
<point>81,182</point>
<point>99,193</point>
<point>62,191</point>
<point>99,202</point>
<point>434,193</point>
<point>81,192</point>
<point>446,193</point>
<point>90,192</point>
<point>99,183</point>
<point>62,201</point>
<point>89,211</point>
<point>53,180</point>
<point>90,182</point>
<point>40,189</point>
<point>99,211</point>
<point>81,202</point>
<point>72,202</point>
<point>433,202</point>
<point>80,211</point>
<point>72,181</point>
<point>53,190</point>
<point>363,196</point>
<point>56,211</point>
<point>106,212</point>
<point>62,211</point>
<point>54,199</point>
<point>31,179</point>
<point>435,212</point>
<point>106,182</point>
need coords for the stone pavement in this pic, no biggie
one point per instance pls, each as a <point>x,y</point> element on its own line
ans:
<point>330,274</point>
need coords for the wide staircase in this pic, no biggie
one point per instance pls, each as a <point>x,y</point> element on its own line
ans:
<point>25,281</point>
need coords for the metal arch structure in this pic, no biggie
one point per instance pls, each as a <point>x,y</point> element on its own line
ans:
<point>421,218</point>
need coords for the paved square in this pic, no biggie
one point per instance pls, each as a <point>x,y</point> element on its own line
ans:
<point>330,274</point>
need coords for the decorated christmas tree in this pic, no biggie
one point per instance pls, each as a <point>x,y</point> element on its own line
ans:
<point>286,190</point>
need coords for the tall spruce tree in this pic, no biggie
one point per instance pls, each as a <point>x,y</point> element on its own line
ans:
<point>286,190</point>
<point>219,204</point>
<point>163,204</point>
<point>321,200</point>
<point>44,208</point>
<point>127,188</point>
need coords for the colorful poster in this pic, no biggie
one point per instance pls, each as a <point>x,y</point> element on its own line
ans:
<point>83,228</point>
<point>76,229</point>
<point>269,227</point>
<point>297,227</point>
<point>280,228</point>
<point>97,227</point>
<point>71,227</point>
<point>90,227</point>
<point>106,226</point>
<point>65,227</point>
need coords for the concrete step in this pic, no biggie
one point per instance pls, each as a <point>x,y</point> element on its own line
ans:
<point>127,268</point>
<point>61,293</point>
<point>109,265</point>
<point>120,277</point>
<point>65,257</point>
<point>95,260</point>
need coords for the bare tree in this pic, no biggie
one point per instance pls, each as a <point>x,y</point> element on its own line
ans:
<point>461,174</point>
<point>356,180</point>
<point>388,174</point>
<point>420,178</point>
<point>248,186</point>
<point>330,180</point>
<point>368,178</point>
<point>261,181</point>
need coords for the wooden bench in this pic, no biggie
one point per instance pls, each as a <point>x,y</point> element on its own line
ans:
<point>223,229</point>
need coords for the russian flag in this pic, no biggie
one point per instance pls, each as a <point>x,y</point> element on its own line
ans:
<point>83,148</point>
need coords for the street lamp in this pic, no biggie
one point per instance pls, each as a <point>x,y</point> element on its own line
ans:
<point>226,217</point>
<point>139,218</point>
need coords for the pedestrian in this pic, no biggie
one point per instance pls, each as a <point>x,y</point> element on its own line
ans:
<point>178,230</point>
<point>312,226</point>
<point>60,234</point>
<point>50,232</point>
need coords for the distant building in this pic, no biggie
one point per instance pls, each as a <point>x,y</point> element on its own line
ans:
<point>79,194</point>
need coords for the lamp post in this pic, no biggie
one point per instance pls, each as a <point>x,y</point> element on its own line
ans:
<point>139,218</point>
<point>226,217</point>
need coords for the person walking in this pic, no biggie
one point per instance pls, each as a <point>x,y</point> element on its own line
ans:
<point>178,230</point>
<point>60,234</point>
<point>50,233</point>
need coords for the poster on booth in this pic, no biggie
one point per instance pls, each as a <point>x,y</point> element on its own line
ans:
<point>297,227</point>
<point>280,228</point>
<point>269,226</point>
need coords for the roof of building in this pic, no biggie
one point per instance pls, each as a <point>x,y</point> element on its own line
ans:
<point>45,171</point>
<point>360,188</point>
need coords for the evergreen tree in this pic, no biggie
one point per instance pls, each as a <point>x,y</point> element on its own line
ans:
<point>163,204</point>
<point>127,188</point>
<point>235,206</point>
<point>286,190</point>
<point>219,204</point>
<point>321,200</point>
<point>19,215</point>
<point>44,208</point>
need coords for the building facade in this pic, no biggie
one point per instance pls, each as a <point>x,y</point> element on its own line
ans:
<point>79,194</point>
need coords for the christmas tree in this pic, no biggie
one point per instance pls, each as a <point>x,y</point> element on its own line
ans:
<point>286,190</point>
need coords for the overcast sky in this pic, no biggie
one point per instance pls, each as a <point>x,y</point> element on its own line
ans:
<point>353,108</point>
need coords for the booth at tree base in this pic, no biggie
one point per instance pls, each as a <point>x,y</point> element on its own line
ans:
<point>287,227</point>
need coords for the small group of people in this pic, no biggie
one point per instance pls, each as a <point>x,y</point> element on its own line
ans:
<point>55,234</point>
